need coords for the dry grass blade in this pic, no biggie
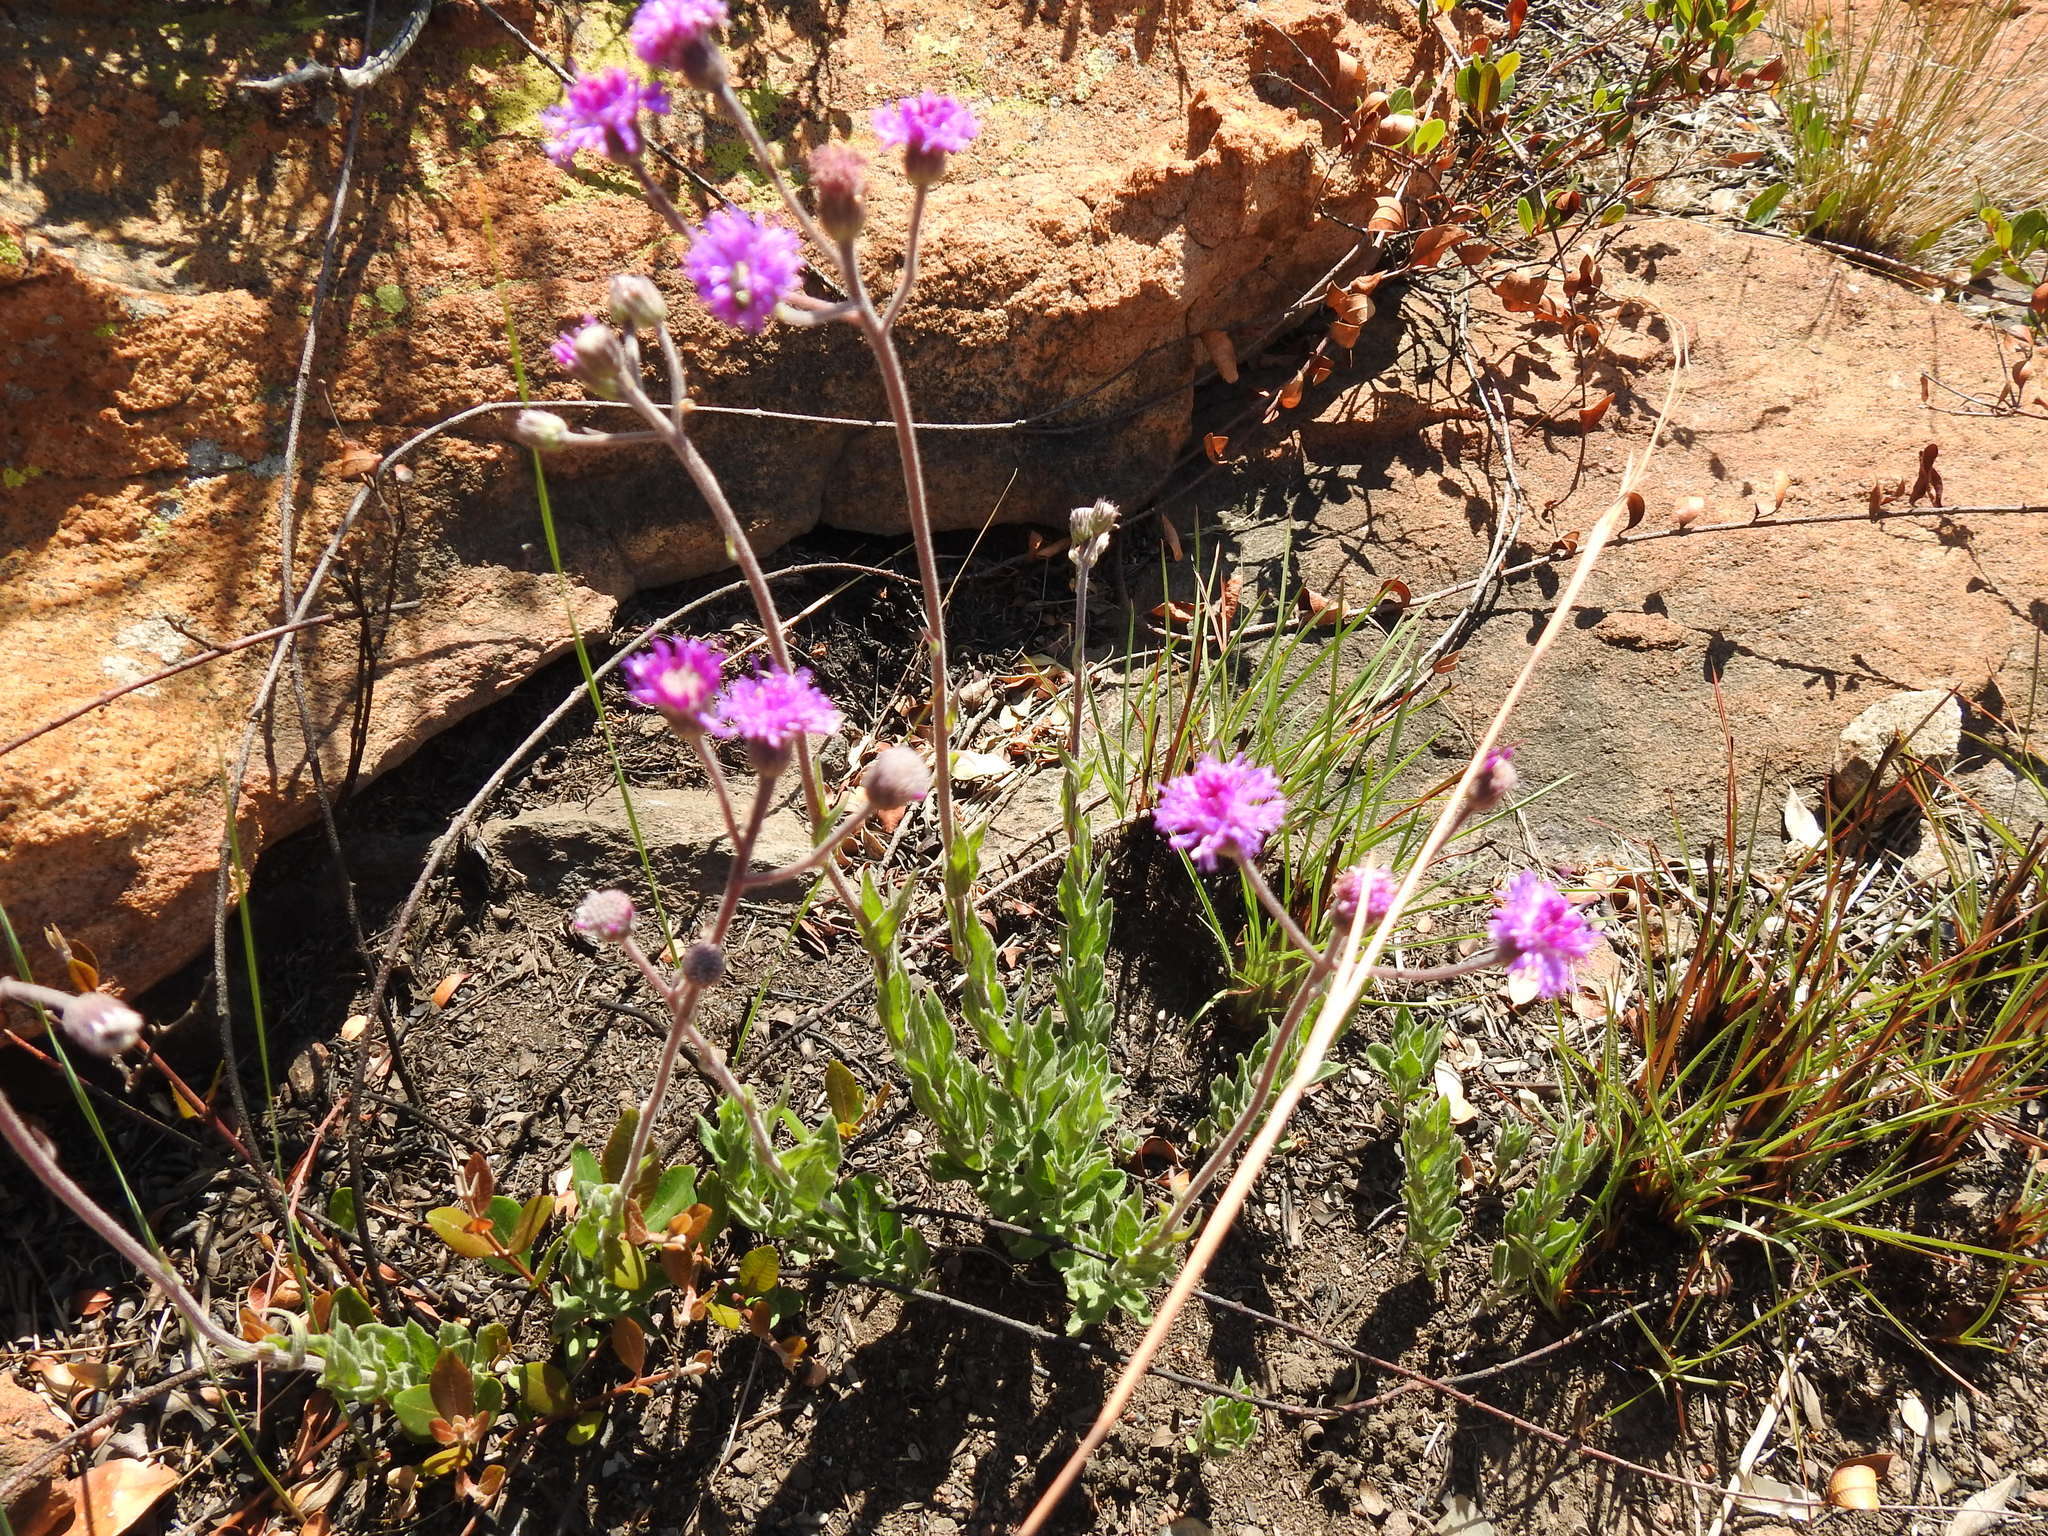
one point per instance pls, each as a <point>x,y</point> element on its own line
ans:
<point>1903,114</point>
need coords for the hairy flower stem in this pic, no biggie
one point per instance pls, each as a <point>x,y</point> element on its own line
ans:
<point>851,821</point>
<point>1262,1092</point>
<point>875,327</point>
<point>1082,569</point>
<point>16,1133</point>
<point>1277,909</point>
<point>681,1001</point>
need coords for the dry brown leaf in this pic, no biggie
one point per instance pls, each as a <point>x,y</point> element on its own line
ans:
<point>1388,217</point>
<point>1521,291</point>
<point>1223,353</point>
<point>1432,245</point>
<point>1344,334</point>
<point>1215,445</point>
<point>356,461</point>
<point>1589,416</point>
<point>354,1026</point>
<point>445,989</point>
<point>1690,511</point>
<point>115,1494</point>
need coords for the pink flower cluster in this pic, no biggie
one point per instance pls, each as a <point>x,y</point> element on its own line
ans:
<point>602,115</point>
<point>1221,809</point>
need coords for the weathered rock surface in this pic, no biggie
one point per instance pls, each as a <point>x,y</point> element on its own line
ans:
<point>160,236</point>
<point>1894,738</point>
<point>28,1431</point>
<point>1798,362</point>
<point>564,850</point>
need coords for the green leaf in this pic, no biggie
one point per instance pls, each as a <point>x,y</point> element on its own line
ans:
<point>585,1428</point>
<point>544,1390</point>
<point>618,1144</point>
<point>843,1093</point>
<point>1764,206</point>
<point>1429,135</point>
<point>626,1267</point>
<point>674,1193</point>
<point>526,1226</point>
<point>724,1316</point>
<point>1525,215</point>
<point>341,1207</point>
<point>416,1411</point>
<point>584,1173</point>
<point>451,1224</point>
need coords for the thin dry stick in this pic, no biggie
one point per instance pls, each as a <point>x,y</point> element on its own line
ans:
<point>1345,989</point>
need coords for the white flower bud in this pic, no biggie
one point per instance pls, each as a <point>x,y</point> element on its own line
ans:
<point>540,429</point>
<point>103,1025</point>
<point>895,778</point>
<point>1090,528</point>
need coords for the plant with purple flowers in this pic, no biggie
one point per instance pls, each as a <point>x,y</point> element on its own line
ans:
<point>743,266</point>
<point>601,115</point>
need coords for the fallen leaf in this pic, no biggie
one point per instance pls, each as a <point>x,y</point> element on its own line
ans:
<point>1432,245</point>
<point>1589,417</point>
<point>1768,1496</point>
<point>1520,291</point>
<point>972,767</point>
<point>1215,445</point>
<point>447,987</point>
<point>1452,1087</point>
<point>115,1494</point>
<point>1913,1412</point>
<point>1981,1511</point>
<point>1803,831</point>
<point>1853,1484</point>
<point>1463,1517</point>
<point>355,461</point>
<point>353,1027</point>
<point>1221,353</point>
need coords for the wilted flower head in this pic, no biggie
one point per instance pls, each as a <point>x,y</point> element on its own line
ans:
<point>101,1024</point>
<point>676,35</point>
<point>1494,782</point>
<point>929,127</point>
<point>593,355</point>
<point>895,778</point>
<point>1221,808</point>
<point>743,267</point>
<point>838,175</point>
<point>1540,935</point>
<point>1371,883</point>
<point>602,114</point>
<point>606,916</point>
<point>1090,528</point>
<point>770,710</point>
<point>676,677</point>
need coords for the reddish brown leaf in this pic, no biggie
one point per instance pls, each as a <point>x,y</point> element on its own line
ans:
<point>1636,508</point>
<point>1589,416</point>
<point>1215,445</point>
<point>1290,393</point>
<point>447,986</point>
<point>356,461</point>
<point>1344,334</point>
<point>1517,13</point>
<point>1222,353</point>
<point>1521,291</point>
<point>1432,245</point>
<point>629,1343</point>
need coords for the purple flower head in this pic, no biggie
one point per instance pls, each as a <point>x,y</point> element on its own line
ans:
<point>1369,882</point>
<point>1540,934</point>
<point>743,267</point>
<point>606,916</point>
<point>770,710</point>
<point>1220,809</point>
<point>676,35</point>
<point>677,677</point>
<point>929,127</point>
<point>602,114</point>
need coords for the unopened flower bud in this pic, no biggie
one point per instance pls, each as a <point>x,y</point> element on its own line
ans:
<point>103,1025</point>
<point>636,304</point>
<point>1368,883</point>
<point>593,355</point>
<point>543,430</point>
<point>703,964</point>
<point>1090,528</point>
<point>895,778</point>
<point>838,174</point>
<point>1494,782</point>
<point>606,916</point>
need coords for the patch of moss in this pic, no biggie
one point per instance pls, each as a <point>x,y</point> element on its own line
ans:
<point>390,298</point>
<point>13,479</point>
<point>11,253</point>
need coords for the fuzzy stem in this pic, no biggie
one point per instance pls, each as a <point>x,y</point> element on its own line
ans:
<point>681,1002</point>
<point>851,822</point>
<point>16,1133</point>
<point>1082,570</point>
